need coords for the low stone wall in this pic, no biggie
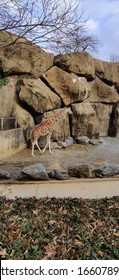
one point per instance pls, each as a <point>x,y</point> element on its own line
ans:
<point>11,141</point>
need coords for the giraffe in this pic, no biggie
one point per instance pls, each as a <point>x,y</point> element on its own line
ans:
<point>45,128</point>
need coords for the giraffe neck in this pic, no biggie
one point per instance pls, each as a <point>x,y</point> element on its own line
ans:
<point>58,116</point>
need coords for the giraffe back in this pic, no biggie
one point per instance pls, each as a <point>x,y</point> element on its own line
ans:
<point>42,129</point>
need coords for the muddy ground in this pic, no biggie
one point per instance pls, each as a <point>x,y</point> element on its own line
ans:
<point>104,153</point>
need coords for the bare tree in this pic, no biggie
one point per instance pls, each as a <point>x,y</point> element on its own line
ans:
<point>56,25</point>
<point>74,40</point>
<point>114,58</point>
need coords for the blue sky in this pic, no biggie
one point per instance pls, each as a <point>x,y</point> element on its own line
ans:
<point>104,23</point>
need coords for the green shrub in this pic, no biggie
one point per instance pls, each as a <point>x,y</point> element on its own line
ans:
<point>3,81</point>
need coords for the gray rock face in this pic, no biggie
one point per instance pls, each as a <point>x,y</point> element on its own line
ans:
<point>82,140</point>
<point>36,172</point>
<point>84,121</point>
<point>58,174</point>
<point>68,142</point>
<point>94,141</point>
<point>4,175</point>
<point>107,170</point>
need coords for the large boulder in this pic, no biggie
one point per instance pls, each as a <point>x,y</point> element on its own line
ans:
<point>7,94</point>
<point>107,170</point>
<point>107,71</point>
<point>23,117</point>
<point>81,171</point>
<point>24,120</point>
<point>38,96</point>
<point>100,92</point>
<point>4,175</point>
<point>103,114</point>
<point>58,174</point>
<point>114,130</point>
<point>23,56</point>
<point>35,172</point>
<point>80,63</point>
<point>69,87</point>
<point>84,121</point>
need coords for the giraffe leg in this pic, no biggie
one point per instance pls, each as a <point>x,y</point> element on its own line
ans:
<point>45,147</point>
<point>47,144</point>
<point>35,142</point>
<point>38,147</point>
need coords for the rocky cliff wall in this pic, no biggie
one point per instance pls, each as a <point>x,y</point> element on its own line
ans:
<point>35,84</point>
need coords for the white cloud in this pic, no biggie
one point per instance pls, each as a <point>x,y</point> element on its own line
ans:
<point>103,22</point>
<point>91,24</point>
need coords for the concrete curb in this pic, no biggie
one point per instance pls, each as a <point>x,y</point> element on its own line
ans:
<point>79,188</point>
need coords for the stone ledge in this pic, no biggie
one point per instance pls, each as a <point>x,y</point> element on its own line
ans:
<point>11,142</point>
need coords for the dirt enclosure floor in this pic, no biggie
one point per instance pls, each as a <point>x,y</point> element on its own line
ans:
<point>106,152</point>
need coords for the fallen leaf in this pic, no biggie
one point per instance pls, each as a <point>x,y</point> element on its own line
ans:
<point>50,250</point>
<point>3,253</point>
<point>35,212</point>
<point>52,222</point>
<point>116,234</point>
<point>77,242</point>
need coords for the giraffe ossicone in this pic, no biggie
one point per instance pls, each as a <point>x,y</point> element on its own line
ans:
<point>45,128</point>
